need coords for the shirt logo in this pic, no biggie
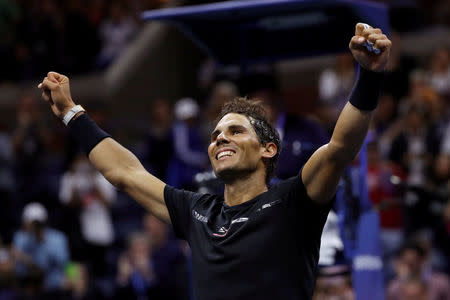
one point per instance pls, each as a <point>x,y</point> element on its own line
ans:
<point>222,231</point>
<point>270,204</point>
<point>199,217</point>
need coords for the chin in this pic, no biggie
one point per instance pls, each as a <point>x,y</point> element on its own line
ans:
<point>229,175</point>
<point>224,174</point>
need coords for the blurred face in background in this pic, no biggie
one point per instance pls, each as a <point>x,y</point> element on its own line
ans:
<point>385,110</point>
<point>28,110</point>
<point>409,263</point>
<point>222,92</point>
<point>442,167</point>
<point>82,166</point>
<point>418,81</point>
<point>161,113</point>
<point>440,61</point>
<point>117,11</point>
<point>267,97</point>
<point>333,288</point>
<point>345,64</point>
<point>415,118</point>
<point>6,265</point>
<point>139,250</point>
<point>36,228</point>
<point>156,229</point>
<point>373,156</point>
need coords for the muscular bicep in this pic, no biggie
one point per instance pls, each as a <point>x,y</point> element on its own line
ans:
<point>321,174</point>
<point>148,191</point>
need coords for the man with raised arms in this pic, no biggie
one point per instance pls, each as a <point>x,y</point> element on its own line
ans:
<point>252,242</point>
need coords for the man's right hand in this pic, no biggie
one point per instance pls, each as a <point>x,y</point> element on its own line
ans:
<point>56,91</point>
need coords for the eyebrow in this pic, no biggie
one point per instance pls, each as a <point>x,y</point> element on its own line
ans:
<point>216,132</point>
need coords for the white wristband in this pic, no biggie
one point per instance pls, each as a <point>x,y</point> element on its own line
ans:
<point>71,113</point>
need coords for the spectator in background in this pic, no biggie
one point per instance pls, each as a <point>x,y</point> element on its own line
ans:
<point>34,37</point>
<point>385,114</point>
<point>7,278</point>
<point>419,93</point>
<point>440,71</point>
<point>77,284</point>
<point>40,38</point>
<point>334,283</point>
<point>87,192</point>
<point>419,86</point>
<point>41,252</point>
<point>152,4</point>
<point>169,262</point>
<point>115,32</point>
<point>398,69</point>
<point>412,150</point>
<point>412,268</point>
<point>441,237</point>
<point>158,145</point>
<point>441,186</point>
<point>95,11</point>
<point>334,86</point>
<point>331,245</point>
<point>10,16</point>
<point>385,184</point>
<point>136,278</point>
<point>189,156</point>
<point>8,212</point>
<point>83,44</point>
<point>29,141</point>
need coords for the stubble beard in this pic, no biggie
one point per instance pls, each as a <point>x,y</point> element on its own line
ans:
<point>232,174</point>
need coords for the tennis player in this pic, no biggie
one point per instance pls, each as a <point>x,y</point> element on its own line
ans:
<point>252,242</point>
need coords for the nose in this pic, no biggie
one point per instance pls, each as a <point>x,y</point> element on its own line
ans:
<point>221,139</point>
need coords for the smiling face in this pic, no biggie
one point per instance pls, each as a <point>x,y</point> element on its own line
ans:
<point>235,149</point>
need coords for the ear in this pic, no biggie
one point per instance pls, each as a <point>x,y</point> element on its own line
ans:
<point>269,151</point>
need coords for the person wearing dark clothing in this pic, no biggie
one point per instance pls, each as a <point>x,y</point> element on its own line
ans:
<point>241,241</point>
<point>262,239</point>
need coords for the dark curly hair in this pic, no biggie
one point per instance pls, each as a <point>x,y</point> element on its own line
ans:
<point>257,116</point>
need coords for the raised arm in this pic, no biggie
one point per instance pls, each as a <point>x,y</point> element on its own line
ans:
<point>322,172</point>
<point>117,164</point>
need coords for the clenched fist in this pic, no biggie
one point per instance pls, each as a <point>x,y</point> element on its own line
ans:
<point>56,91</point>
<point>369,60</point>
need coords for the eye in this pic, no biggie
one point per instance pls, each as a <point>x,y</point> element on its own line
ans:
<point>237,131</point>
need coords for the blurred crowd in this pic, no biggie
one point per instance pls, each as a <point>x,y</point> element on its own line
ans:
<point>66,233</point>
<point>74,36</point>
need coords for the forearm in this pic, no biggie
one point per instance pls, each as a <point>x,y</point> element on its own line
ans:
<point>327,164</point>
<point>119,166</point>
<point>354,120</point>
<point>350,132</point>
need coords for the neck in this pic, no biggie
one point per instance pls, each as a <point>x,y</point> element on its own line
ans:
<point>244,189</point>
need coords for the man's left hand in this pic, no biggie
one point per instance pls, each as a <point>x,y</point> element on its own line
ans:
<point>370,60</point>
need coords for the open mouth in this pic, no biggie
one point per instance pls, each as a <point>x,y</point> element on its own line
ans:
<point>224,154</point>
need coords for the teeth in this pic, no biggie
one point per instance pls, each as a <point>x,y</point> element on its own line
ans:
<point>224,153</point>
